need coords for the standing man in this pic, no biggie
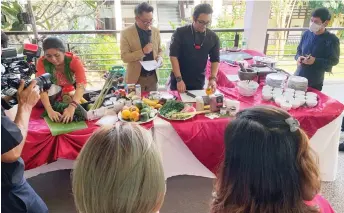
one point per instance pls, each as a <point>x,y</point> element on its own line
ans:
<point>141,42</point>
<point>190,47</point>
<point>318,50</point>
<point>17,196</point>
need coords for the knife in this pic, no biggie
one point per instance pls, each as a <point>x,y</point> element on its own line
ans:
<point>190,94</point>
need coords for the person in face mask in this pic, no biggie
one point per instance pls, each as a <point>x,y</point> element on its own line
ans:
<point>318,50</point>
<point>317,53</point>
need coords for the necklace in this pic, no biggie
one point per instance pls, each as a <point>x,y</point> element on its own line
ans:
<point>198,46</point>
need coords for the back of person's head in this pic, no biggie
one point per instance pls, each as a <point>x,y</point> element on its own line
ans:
<point>4,40</point>
<point>268,165</point>
<point>202,8</point>
<point>53,43</point>
<point>119,170</point>
<point>323,13</point>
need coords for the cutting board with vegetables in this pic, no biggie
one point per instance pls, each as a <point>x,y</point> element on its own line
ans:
<point>60,128</point>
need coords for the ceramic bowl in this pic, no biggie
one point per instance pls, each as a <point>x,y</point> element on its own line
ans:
<point>300,92</point>
<point>311,103</point>
<point>267,96</point>
<point>279,100</point>
<point>286,106</point>
<point>289,90</point>
<point>295,103</point>
<point>311,94</point>
<point>246,88</point>
<point>301,100</point>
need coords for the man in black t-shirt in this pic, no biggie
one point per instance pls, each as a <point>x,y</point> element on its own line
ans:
<point>17,196</point>
<point>190,48</point>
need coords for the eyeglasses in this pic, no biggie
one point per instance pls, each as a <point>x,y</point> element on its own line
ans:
<point>204,23</point>
<point>146,22</point>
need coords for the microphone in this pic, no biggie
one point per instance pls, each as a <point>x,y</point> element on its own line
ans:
<point>149,32</point>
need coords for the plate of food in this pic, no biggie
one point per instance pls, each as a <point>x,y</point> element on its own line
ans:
<point>139,113</point>
<point>177,111</point>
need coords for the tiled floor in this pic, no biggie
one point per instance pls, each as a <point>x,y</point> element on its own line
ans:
<point>185,194</point>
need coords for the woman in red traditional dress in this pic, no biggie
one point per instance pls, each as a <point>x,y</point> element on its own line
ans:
<point>67,71</point>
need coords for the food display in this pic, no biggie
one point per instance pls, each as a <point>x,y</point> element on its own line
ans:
<point>176,110</point>
<point>139,113</point>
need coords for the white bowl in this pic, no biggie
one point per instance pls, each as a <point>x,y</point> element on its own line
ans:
<point>300,96</point>
<point>295,103</point>
<point>311,98</point>
<point>287,93</point>
<point>267,87</point>
<point>246,88</point>
<point>279,100</point>
<point>289,90</point>
<point>289,99</point>
<point>301,100</point>
<point>311,103</point>
<point>267,96</point>
<point>267,91</point>
<point>299,92</point>
<point>286,106</point>
<point>278,90</point>
<point>311,94</point>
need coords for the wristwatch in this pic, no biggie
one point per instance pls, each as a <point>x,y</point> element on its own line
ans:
<point>212,78</point>
<point>179,78</point>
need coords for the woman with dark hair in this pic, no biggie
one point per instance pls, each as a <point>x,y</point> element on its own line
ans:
<point>268,167</point>
<point>67,71</point>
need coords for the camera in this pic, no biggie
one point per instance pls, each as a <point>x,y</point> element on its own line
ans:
<point>15,68</point>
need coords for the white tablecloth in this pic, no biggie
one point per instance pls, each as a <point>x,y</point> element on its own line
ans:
<point>179,160</point>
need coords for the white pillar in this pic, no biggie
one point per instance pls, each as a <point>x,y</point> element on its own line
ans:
<point>256,23</point>
<point>118,17</point>
<point>217,8</point>
<point>155,13</point>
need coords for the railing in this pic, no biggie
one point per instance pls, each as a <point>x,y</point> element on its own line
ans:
<point>101,52</point>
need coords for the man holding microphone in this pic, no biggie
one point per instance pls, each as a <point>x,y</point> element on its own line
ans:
<point>141,42</point>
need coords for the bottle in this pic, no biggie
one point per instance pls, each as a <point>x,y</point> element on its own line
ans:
<point>199,103</point>
<point>244,43</point>
<point>138,90</point>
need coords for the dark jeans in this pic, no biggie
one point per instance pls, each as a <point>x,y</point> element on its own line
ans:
<point>22,199</point>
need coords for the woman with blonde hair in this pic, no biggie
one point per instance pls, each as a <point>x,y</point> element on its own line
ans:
<point>268,166</point>
<point>119,170</point>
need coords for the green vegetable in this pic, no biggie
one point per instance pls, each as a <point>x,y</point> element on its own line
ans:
<point>144,117</point>
<point>139,105</point>
<point>171,106</point>
<point>60,107</point>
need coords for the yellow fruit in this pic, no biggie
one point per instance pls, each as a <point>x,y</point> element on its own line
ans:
<point>158,106</point>
<point>83,100</point>
<point>134,116</point>
<point>134,108</point>
<point>150,102</point>
<point>126,114</point>
<point>208,91</point>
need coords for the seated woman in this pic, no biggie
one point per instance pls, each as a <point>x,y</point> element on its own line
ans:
<point>119,170</point>
<point>67,71</point>
<point>268,166</point>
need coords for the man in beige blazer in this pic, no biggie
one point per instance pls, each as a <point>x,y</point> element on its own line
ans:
<point>141,42</point>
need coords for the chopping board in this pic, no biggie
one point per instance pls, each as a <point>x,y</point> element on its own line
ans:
<point>60,128</point>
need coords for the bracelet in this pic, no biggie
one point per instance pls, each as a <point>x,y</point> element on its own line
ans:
<point>213,78</point>
<point>74,105</point>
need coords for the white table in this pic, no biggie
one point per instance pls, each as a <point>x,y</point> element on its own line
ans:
<point>179,160</point>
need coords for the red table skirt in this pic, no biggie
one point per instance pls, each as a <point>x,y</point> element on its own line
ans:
<point>204,137</point>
